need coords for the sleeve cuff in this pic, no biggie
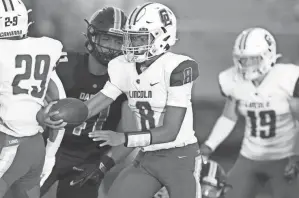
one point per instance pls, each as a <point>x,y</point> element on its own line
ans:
<point>111,91</point>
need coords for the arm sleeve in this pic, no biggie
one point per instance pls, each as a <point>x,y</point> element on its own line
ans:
<point>55,89</point>
<point>113,87</point>
<point>180,83</point>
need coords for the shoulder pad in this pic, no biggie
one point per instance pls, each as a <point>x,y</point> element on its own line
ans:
<point>52,42</point>
<point>116,64</point>
<point>117,60</point>
<point>187,71</point>
<point>287,76</point>
<point>226,81</point>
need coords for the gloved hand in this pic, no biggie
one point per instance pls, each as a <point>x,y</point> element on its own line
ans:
<point>92,171</point>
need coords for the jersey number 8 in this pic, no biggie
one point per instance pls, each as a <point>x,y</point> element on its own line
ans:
<point>41,70</point>
<point>146,115</point>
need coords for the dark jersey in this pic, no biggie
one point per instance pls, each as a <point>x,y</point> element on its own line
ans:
<point>80,83</point>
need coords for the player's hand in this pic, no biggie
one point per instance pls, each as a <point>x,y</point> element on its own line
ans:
<point>292,169</point>
<point>108,137</point>
<point>205,150</point>
<point>47,169</point>
<point>92,171</point>
<point>44,117</point>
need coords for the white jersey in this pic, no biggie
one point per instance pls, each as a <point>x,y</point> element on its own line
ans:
<point>151,91</point>
<point>270,128</point>
<point>25,69</point>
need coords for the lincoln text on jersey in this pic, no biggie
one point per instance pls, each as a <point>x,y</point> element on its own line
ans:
<point>140,94</point>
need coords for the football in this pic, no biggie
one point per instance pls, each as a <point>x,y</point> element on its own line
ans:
<point>73,111</point>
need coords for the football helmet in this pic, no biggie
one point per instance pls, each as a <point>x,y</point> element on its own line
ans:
<point>14,19</point>
<point>108,21</point>
<point>150,31</point>
<point>213,180</point>
<point>254,53</point>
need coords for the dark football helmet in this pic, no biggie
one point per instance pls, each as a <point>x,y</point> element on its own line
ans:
<point>108,21</point>
<point>213,180</point>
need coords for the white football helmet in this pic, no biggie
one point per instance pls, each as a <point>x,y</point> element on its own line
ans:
<point>254,53</point>
<point>213,180</point>
<point>154,26</point>
<point>13,19</point>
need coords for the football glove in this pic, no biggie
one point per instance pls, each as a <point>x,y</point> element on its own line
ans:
<point>92,172</point>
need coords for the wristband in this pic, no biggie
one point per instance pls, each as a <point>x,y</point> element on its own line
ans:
<point>138,139</point>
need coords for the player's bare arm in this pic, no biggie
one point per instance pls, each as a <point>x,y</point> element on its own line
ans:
<point>55,91</point>
<point>127,123</point>
<point>97,104</point>
<point>222,128</point>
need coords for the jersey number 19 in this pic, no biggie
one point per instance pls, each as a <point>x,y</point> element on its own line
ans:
<point>267,119</point>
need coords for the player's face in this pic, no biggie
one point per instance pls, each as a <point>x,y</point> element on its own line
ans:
<point>106,42</point>
<point>249,65</point>
<point>139,42</point>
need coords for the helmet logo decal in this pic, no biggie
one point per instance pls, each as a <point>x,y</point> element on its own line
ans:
<point>165,19</point>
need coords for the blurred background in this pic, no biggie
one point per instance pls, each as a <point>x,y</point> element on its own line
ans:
<point>206,32</point>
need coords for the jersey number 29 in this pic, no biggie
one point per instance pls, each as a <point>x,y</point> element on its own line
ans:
<point>267,119</point>
<point>41,70</point>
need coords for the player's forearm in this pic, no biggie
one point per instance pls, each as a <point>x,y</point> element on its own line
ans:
<point>221,130</point>
<point>97,104</point>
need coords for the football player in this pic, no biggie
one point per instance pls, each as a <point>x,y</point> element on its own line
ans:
<point>83,75</point>
<point>158,85</point>
<point>26,67</point>
<point>266,94</point>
